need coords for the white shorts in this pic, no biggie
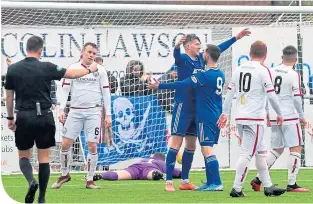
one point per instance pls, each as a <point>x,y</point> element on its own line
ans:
<point>88,120</point>
<point>252,139</point>
<point>286,136</point>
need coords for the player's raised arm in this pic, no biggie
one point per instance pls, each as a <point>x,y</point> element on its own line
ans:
<point>177,53</point>
<point>55,72</point>
<point>193,81</point>
<point>105,89</point>
<point>225,45</point>
<point>266,78</point>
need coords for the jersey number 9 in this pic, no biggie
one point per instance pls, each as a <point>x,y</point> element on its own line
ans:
<point>219,85</point>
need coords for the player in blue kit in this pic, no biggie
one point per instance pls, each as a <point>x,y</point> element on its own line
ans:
<point>183,118</point>
<point>208,85</point>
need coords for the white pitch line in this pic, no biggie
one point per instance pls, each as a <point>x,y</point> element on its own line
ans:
<point>129,184</point>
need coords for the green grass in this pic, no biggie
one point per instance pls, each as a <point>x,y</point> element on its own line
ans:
<point>153,191</point>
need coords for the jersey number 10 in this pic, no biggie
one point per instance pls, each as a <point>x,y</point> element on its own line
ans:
<point>244,82</point>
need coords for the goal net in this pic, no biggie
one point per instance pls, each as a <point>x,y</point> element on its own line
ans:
<point>136,42</point>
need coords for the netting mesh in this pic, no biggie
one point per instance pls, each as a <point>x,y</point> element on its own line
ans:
<point>48,17</point>
<point>154,108</point>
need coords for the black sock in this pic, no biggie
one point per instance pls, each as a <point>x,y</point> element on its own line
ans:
<point>26,169</point>
<point>44,175</point>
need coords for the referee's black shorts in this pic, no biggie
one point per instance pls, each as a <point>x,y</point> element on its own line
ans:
<point>31,128</point>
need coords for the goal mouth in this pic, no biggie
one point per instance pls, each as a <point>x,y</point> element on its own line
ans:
<point>143,36</point>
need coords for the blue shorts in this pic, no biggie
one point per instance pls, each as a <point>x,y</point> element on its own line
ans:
<point>208,134</point>
<point>183,123</point>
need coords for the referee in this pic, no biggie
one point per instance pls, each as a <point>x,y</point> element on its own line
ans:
<point>30,80</point>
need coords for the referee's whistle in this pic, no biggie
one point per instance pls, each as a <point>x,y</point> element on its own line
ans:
<point>38,108</point>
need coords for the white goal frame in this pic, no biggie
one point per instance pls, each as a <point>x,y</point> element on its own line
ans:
<point>154,7</point>
<point>297,10</point>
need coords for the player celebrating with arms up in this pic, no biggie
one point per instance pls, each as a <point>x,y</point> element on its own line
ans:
<point>85,112</point>
<point>183,118</point>
<point>208,86</point>
<point>287,87</point>
<point>252,82</point>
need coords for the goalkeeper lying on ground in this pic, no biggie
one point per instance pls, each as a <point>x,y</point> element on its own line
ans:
<point>152,168</point>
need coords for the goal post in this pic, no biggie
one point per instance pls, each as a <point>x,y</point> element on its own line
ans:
<point>142,36</point>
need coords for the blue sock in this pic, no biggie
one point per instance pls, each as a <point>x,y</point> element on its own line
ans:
<point>209,179</point>
<point>186,163</point>
<point>170,163</point>
<point>212,170</point>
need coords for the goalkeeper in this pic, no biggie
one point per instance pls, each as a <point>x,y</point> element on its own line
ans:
<point>183,119</point>
<point>147,169</point>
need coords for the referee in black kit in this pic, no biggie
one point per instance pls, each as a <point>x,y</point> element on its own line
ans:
<point>30,80</point>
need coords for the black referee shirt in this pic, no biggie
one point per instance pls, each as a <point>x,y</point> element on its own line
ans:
<point>31,81</point>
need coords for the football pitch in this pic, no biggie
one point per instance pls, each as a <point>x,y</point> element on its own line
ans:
<point>153,191</point>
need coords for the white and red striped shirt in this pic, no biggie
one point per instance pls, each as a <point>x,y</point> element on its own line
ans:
<point>250,82</point>
<point>88,91</point>
<point>287,86</point>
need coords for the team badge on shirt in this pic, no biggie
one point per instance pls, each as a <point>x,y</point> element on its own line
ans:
<point>194,79</point>
<point>64,130</point>
<point>96,74</point>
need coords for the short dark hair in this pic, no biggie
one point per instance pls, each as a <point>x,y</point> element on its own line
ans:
<point>290,53</point>
<point>34,43</point>
<point>191,37</point>
<point>91,44</point>
<point>159,156</point>
<point>213,51</point>
<point>99,59</point>
<point>258,49</point>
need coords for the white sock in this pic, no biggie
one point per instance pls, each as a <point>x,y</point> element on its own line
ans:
<point>92,159</point>
<point>263,172</point>
<point>65,161</point>
<point>294,160</point>
<point>241,171</point>
<point>271,158</point>
<point>184,181</point>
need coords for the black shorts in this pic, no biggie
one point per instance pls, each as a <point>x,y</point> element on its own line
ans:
<point>31,128</point>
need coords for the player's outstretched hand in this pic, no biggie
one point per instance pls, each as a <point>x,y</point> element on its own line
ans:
<point>181,41</point>
<point>243,33</point>
<point>93,67</point>
<point>108,121</point>
<point>280,121</point>
<point>303,122</point>
<point>268,121</point>
<point>154,85</point>
<point>222,121</point>
<point>62,117</point>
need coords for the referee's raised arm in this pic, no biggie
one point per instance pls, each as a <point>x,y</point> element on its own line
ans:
<point>30,81</point>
